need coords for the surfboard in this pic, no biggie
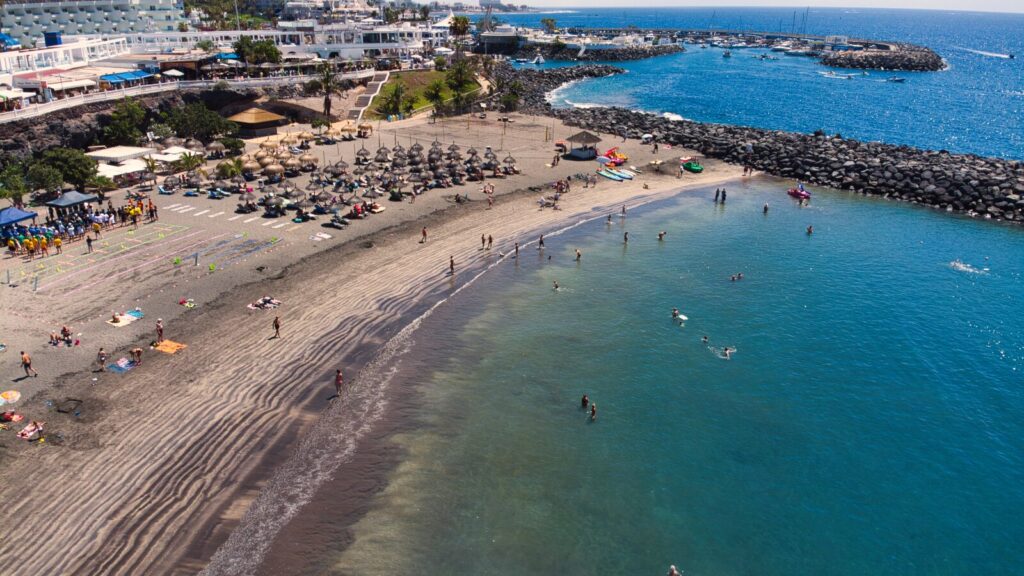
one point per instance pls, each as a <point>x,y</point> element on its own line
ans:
<point>610,176</point>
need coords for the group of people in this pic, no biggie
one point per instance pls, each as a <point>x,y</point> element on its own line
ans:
<point>68,226</point>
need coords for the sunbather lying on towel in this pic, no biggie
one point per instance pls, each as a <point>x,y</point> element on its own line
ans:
<point>32,431</point>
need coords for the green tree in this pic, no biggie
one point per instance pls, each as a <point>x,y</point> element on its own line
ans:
<point>440,63</point>
<point>182,27</point>
<point>126,119</point>
<point>233,146</point>
<point>256,52</point>
<point>460,76</point>
<point>459,28</point>
<point>102,183</point>
<point>160,130</point>
<point>434,93</point>
<point>549,25</point>
<point>197,121</point>
<point>329,83</point>
<point>205,45</point>
<point>190,163</point>
<point>319,124</point>
<point>42,176</point>
<point>230,168</point>
<point>75,167</point>
<point>391,15</point>
<point>424,12</point>
<point>396,100</point>
<point>12,183</point>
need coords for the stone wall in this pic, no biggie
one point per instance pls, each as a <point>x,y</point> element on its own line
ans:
<point>608,55</point>
<point>902,57</point>
<point>989,187</point>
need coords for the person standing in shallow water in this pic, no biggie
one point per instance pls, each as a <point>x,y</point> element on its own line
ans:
<point>584,402</point>
<point>540,243</point>
<point>593,412</point>
<point>723,195</point>
<point>625,237</point>
<point>765,211</point>
<point>718,194</point>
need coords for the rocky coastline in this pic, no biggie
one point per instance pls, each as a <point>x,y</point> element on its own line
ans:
<point>966,183</point>
<point>903,57</point>
<point>626,53</point>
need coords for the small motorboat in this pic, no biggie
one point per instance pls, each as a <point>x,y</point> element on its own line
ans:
<point>727,54</point>
<point>693,166</point>
<point>799,193</point>
<point>896,80</point>
<point>521,61</point>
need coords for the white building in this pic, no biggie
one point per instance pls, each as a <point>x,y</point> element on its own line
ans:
<point>27,20</point>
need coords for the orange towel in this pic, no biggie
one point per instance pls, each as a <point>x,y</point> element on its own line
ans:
<point>170,346</point>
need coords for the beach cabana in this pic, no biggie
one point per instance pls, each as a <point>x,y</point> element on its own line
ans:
<point>70,199</point>
<point>13,215</point>
<point>257,122</point>
<point>583,146</point>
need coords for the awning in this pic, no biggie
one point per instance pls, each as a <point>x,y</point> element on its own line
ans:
<point>60,85</point>
<point>173,73</point>
<point>72,198</point>
<point>13,215</point>
<point>119,153</point>
<point>122,77</point>
<point>13,94</point>
<point>227,56</point>
<point>126,167</point>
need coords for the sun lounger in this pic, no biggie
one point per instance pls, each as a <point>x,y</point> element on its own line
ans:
<point>164,191</point>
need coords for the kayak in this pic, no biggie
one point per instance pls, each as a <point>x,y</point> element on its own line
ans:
<point>694,167</point>
<point>798,193</point>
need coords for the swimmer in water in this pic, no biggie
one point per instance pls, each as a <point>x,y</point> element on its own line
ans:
<point>765,208</point>
<point>661,235</point>
<point>739,276</point>
<point>625,238</point>
<point>810,230</point>
<point>728,352</point>
<point>555,285</point>
<point>609,218</point>
<point>623,209</point>
<point>675,313</point>
<point>585,401</point>
<point>704,339</point>
<point>593,412</point>
<point>732,278</point>
<point>578,255</point>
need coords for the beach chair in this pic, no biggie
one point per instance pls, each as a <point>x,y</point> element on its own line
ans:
<point>192,193</point>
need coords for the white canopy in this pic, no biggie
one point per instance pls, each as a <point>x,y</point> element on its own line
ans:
<point>13,94</point>
<point>119,153</point>
<point>173,73</point>
<point>126,167</point>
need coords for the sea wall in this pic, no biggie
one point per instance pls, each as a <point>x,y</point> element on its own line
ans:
<point>563,52</point>
<point>900,57</point>
<point>989,187</point>
<point>82,126</point>
<point>537,83</point>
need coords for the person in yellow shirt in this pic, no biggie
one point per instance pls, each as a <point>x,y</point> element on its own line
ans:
<point>57,244</point>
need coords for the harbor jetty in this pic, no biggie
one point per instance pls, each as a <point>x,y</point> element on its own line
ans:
<point>564,52</point>
<point>906,57</point>
<point>966,183</point>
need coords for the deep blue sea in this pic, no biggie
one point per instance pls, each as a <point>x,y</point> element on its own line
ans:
<point>870,421</point>
<point>976,106</point>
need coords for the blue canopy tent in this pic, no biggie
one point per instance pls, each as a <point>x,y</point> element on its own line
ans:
<point>227,56</point>
<point>71,198</point>
<point>13,215</point>
<point>122,77</point>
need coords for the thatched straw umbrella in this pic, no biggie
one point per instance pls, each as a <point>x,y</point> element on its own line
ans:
<point>308,159</point>
<point>267,161</point>
<point>172,141</point>
<point>215,147</point>
<point>273,169</point>
<point>268,145</point>
<point>292,163</point>
<point>250,166</point>
<point>261,153</point>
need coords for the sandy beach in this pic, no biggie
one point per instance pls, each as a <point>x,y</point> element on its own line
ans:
<point>198,459</point>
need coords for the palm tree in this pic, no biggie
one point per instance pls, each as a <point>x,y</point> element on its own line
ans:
<point>152,164</point>
<point>459,28</point>
<point>190,163</point>
<point>329,84</point>
<point>230,168</point>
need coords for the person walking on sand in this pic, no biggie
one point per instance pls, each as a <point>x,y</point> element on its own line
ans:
<point>423,235</point>
<point>339,381</point>
<point>88,244</point>
<point>483,241</point>
<point>517,250</point>
<point>137,355</point>
<point>451,265</point>
<point>26,364</point>
<point>277,326</point>
<point>490,241</point>
<point>101,359</point>
<point>159,330</point>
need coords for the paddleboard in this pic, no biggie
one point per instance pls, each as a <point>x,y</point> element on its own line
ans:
<point>610,176</point>
<point>621,174</point>
<point>681,318</point>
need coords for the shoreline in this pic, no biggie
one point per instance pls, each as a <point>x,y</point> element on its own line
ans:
<point>236,555</point>
<point>163,462</point>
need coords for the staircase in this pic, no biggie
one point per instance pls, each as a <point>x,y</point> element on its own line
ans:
<point>372,90</point>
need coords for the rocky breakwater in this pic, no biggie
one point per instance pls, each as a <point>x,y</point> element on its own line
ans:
<point>626,53</point>
<point>988,187</point>
<point>906,57</point>
<point>534,85</point>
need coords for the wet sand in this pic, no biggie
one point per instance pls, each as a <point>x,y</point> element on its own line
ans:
<point>209,453</point>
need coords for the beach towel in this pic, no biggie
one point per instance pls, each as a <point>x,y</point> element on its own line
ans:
<point>170,347</point>
<point>137,314</point>
<point>32,431</point>
<point>187,303</point>
<point>121,366</point>
<point>11,416</point>
<point>265,303</point>
<point>126,318</point>
<point>9,397</point>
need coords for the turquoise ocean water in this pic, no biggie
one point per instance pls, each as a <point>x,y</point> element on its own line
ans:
<point>870,421</point>
<point>975,106</point>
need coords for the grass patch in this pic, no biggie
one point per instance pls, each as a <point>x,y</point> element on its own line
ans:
<point>416,82</point>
